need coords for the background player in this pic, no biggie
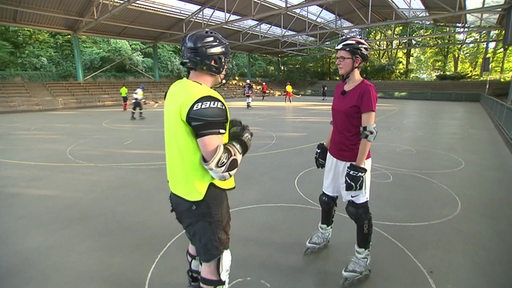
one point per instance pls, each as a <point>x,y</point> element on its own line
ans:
<point>288,92</point>
<point>324,91</point>
<point>124,96</point>
<point>264,89</point>
<point>138,101</point>
<point>248,91</point>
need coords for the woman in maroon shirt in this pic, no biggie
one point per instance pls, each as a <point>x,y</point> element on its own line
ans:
<point>346,157</point>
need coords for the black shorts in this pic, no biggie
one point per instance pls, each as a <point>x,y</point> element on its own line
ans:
<point>125,99</point>
<point>207,222</point>
<point>137,104</point>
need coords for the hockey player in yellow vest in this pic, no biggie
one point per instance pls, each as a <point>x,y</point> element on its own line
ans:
<point>124,95</point>
<point>204,148</point>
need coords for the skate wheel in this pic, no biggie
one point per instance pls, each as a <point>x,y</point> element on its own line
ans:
<point>349,282</point>
<point>312,250</point>
<point>308,251</point>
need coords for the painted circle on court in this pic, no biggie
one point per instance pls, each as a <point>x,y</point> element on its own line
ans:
<point>265,251</point>
<point>399,199</point>
<point>414,159</point>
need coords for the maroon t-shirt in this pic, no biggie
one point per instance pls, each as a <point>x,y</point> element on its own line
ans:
<point>346,119</point>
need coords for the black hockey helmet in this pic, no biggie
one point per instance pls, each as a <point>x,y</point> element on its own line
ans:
<point>205,50</point>
<point>355,46</point>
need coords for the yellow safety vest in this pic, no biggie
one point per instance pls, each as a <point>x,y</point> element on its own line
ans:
<point>123,91</point>
<point>186,174</point>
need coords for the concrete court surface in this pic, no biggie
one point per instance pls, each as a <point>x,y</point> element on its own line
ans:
<point>83,200</point>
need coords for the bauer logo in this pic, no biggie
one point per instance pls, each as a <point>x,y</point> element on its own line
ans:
<point>209,104</point>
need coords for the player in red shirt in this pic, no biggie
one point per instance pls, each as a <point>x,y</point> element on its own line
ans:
<point>346,157</point>
<point>264,89</point>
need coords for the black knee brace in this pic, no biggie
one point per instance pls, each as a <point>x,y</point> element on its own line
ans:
<point>212,282</point>
<point>193,269</point>
<point>328,204</point>
<point>360,214</point>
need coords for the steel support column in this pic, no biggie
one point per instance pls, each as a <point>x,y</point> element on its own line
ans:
<point>248,66</point>
<point>78,58</point>
<point>156,73</point>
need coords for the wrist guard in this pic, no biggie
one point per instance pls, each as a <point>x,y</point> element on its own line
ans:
<point>240,135</point>
<point>320,155</point>
<point>354,178</point>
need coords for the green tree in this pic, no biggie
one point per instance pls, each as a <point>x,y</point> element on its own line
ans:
<point>408,51</point>
<point>169,61</point>
<point>7,60</point>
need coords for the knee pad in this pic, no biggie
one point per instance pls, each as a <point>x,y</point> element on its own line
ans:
<point>359,213</point>
<point>217,283</point>
<point>328,204</point>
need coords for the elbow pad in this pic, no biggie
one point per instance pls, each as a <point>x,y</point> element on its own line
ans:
<point>225,162</point>
<point>369,132</point>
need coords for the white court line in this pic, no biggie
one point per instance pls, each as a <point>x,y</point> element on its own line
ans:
<point>150,273</point>
<point>430,280</point>
<point>415,150</point>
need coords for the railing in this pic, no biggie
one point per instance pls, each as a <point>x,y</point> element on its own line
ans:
<point>501,114</point>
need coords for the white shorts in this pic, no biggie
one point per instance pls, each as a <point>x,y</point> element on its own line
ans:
<point>334,180</point>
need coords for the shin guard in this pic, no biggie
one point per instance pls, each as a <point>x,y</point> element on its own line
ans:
<point>328,204</point>
<point>361,215</point>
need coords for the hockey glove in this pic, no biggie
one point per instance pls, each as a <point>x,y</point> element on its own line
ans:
<point>240,135</point>
<point>354,178</point>
<point>320,155</point>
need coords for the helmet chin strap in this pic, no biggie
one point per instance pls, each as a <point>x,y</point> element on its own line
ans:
<point>345,77</point>
<point>220,82</point>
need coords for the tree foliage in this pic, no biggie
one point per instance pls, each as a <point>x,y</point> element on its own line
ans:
<point>408,51</point>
